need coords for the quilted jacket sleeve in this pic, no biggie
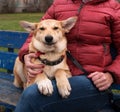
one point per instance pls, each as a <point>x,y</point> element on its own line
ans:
<point>114,68</point>
<point>24,49</point>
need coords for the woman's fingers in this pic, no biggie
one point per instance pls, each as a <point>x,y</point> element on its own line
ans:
<point>101,80</point>
<point>32,69</point>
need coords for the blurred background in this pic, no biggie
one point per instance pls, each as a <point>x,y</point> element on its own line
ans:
<point>13,6</point>
<point>13,11</point>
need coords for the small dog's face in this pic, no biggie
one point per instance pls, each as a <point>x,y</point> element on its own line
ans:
<point>49,32</point>
<point>49,35</point>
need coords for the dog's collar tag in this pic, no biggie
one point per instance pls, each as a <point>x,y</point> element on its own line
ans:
<point>51,63</point>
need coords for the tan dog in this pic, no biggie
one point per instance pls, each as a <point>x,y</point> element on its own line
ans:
<point>50,42</point>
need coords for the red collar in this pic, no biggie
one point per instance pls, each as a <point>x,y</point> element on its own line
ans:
<point>39,53</point>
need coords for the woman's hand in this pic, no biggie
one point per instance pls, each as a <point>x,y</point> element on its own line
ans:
<point>101,80</point>
<point>32,69</point>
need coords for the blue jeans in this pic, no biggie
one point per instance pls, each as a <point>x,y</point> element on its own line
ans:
<point>84,97</point>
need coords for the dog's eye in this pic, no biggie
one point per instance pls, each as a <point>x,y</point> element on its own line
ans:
<point>55,28</point>
<point>42,28</point>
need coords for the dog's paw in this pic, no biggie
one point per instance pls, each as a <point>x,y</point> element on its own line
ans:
<point>45,87</point>
<point>64,89</point>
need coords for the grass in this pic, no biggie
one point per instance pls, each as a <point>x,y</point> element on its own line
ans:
<point>11,21</point>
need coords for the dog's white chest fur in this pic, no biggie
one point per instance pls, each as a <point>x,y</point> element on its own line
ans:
<point>50,70</point>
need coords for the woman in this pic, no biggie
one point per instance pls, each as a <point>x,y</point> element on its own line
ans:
<point>89,42</point>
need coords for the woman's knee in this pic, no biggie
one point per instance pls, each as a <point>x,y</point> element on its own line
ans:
<point>81,81</point>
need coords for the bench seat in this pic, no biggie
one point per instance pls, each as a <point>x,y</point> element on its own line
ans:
<point>9,94</point>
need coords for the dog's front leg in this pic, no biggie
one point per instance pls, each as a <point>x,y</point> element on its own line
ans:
<point>19,75</point>
<point>44,84</point>
<point>63,84</point>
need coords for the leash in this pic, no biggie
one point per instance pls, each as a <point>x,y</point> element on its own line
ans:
<point>74,60</point>
<point>78,65</point>
<point>114,104</point>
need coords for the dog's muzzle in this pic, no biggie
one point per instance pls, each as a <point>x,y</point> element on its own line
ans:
<point>49,40</point>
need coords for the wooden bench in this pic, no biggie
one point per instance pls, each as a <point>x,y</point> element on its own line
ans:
<point>9,43</point>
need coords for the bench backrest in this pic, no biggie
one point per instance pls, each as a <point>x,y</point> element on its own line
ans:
<point>9,41</point>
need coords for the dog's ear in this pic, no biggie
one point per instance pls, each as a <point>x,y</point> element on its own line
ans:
<point>28,26</point>
<point>69,23</point>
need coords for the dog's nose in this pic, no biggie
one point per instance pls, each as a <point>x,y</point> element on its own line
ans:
<point>48,39</point>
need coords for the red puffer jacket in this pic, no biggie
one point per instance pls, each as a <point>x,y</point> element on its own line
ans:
<point>89,41</point>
